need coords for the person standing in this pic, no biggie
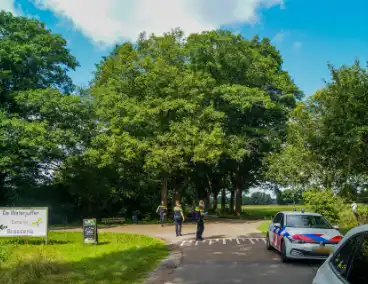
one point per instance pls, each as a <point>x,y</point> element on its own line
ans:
<point>199,213</point>
<point>178,218</point>
<point>354,208</point>
<point>161,210</point>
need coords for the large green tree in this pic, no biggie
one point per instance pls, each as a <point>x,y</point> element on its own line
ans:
<point>327,136</point>
<point>39,125</point>
<point>254,93</point>
<point>155,110</point>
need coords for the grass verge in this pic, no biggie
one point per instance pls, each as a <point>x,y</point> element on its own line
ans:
<point>264,227</point>
<point>119,258</point>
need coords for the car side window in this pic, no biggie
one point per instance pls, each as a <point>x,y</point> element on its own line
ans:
<point>341,260</point>
<point>277,218</point>
<point>359,264</point>
<point>282,220</point>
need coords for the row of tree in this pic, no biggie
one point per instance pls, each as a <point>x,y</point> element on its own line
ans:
<point>165,118</point>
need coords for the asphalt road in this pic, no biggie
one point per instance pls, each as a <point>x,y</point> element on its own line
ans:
<point>237,260</point>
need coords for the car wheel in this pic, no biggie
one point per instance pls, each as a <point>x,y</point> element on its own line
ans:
<point>284,258</point>
<point>268,245</point>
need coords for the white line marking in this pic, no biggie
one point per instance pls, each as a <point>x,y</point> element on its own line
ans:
<point>251,240</point>
<point>224,241</point>
<point>264,240</point>
<point>183,243</point>
<point>237,240</point>
<point>196,243</point>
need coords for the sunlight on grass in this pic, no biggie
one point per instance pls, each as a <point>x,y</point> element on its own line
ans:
<point>259,212</point>
<point>119,258</point>
<point>264,227</point>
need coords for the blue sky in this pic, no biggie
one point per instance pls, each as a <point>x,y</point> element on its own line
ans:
<point>309,34</point>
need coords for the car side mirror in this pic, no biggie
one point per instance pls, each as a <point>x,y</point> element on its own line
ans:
<point>336,227</point>
<point>277,225</point>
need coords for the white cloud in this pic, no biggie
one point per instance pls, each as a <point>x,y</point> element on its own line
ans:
<point>279,37</point>
<point>297,44</point>
<point>7,5</point>
<point>109,21</point>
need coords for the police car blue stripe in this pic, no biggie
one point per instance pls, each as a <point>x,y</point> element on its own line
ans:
<point>315,238</point>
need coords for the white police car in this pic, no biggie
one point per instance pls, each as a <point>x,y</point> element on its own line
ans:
<point>349,263</point>
<point>299,235</point>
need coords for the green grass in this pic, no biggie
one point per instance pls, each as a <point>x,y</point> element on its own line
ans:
<point>264,227</point>
<point>265,211</point>
<point>119,258</point>
<point>260,212</point>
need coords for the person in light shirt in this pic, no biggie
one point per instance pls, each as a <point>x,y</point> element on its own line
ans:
<point>354,207</point>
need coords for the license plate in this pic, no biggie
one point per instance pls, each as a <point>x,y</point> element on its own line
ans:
<point>323,250</point>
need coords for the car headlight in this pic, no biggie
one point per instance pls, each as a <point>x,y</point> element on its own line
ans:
<point>295,240</point>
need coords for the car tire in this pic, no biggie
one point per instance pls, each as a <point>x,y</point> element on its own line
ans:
<point>284,258</point>
<point>268,244</point>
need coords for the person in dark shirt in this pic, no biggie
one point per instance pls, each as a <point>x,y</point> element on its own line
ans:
<point>178,218</point>
<point>199,214</point>
<point>161,210</point>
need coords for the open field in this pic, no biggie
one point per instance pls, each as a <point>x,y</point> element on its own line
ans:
<point>260,212</point>
<point>119,258</point>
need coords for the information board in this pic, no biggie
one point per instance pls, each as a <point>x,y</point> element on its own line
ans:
<point>90,231</point>
<point>23,222</point>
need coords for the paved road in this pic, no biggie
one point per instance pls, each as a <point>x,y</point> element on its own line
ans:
<point>237,260</point>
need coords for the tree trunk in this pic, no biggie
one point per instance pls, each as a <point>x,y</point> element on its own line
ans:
<point>223,201</point>
<point>176,196</point>
<point>238,199</point>
<point>232,195</point>
<point>215,196</point>
<point>207,200</point>
<point>165,179</point>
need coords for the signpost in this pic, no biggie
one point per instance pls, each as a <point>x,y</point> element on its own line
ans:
<point>24,222</point>
<point>90,235</point>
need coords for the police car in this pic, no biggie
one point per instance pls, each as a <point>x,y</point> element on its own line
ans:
<point>302,235</point>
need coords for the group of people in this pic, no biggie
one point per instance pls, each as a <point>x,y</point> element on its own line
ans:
<point>179,217</point>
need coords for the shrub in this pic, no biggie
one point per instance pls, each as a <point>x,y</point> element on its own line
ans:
<point>324,202</point>
<point>363,214</point>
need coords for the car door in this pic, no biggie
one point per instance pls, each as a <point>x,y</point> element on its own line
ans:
<point>272,229</point>
<point>338,266</point>
<point>278,231</point>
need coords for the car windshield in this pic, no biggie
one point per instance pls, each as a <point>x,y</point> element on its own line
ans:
<point>307,221</point>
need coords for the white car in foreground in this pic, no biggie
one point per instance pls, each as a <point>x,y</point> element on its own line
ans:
<point>299,235</point>
<point>349,263</point>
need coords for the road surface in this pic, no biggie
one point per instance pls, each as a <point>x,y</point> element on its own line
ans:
<point>236,260</point>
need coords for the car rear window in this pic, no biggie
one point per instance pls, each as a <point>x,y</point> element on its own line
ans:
<point>307,221</point>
